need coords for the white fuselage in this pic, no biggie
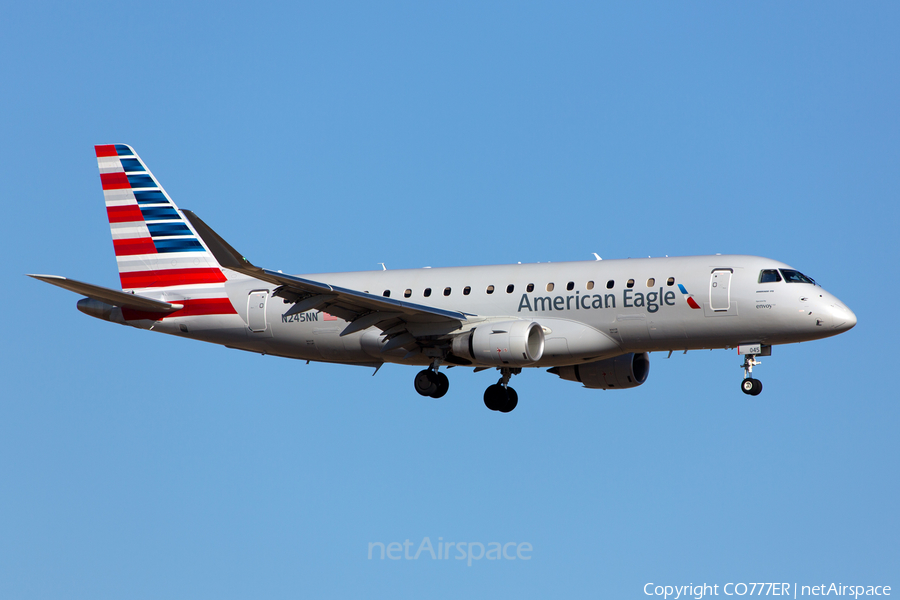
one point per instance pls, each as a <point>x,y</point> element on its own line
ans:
<point>588,310</point>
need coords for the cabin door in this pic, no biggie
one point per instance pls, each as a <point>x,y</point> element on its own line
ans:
<point>720,290</point>
<point>256,310</point>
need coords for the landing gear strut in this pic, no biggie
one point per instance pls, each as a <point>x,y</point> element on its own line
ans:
<point>432,383</point>
<point>500,396</point>
<point>749,385</point>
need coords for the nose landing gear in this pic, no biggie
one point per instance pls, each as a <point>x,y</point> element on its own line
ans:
<point>749,385</point>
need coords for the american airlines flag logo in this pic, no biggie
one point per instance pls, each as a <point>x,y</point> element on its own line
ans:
<point>689,297</point>
<point>155,247</point>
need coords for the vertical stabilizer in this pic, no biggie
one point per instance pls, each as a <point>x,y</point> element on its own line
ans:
<point>155,246</point>
<point>157,249</point>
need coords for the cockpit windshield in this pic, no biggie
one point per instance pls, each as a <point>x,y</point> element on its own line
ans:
<point>769,276</point>
<point>792,276</point>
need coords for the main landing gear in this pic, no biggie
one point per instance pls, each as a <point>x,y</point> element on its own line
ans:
<point>749,385</point>
<point>500,396</point>
<point>432,383</point>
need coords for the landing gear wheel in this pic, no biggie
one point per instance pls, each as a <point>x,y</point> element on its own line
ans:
<point>442,384</point>
<point>501,399</point>
<point>751,386</point>
<point>494,396</point>
<point>426,383</point>
<point>512,400</point>
<point>757,387</point>
<point>431,383</point>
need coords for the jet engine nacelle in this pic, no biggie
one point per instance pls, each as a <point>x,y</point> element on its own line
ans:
<point>624,371</point>
<point>507,343</point>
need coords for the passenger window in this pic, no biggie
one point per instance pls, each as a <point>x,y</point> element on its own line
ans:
<point>630,283</point>
<point>610,284</point>
<point>670,281</point>
<point>446,291</point>
<point>530,287</point>
<point>490,289</point>
<point>651,282</point>
<point>769,276</point>
<point>570,286</point>
<point>510,288</point>
<point>407,293</point>
<point>466,290</point>
<point>590,285</point>
<point>550,287</point>
<point>427,292</point>
<point>387,293</point>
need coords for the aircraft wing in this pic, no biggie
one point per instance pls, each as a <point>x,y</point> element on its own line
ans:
<point>109,296</point>
<point>361,309</point>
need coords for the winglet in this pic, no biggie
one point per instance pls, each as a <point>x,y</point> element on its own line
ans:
<point>226,255</point>
<point>224,252</point>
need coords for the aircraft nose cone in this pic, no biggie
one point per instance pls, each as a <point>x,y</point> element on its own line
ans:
<point>843,317</point>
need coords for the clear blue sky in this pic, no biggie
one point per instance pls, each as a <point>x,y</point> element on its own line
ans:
<point>319,138</point>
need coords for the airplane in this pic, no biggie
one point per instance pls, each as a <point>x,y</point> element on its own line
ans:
<point>592,322</point>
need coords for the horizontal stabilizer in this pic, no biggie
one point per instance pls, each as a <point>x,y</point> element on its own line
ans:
<point>110,296</point>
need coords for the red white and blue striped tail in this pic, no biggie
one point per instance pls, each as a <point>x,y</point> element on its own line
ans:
<point>156,247</point>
